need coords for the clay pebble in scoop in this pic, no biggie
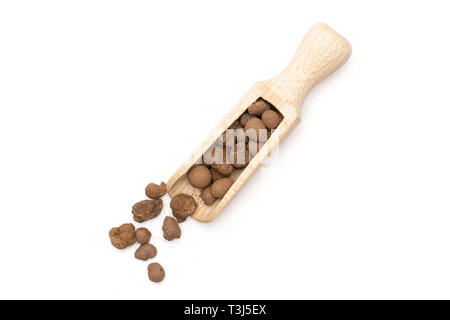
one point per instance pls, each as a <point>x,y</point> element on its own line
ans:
<point>256,130</point>
<point>258,107</point>
<point>220,187</point>
<point>271,119</point>
<point>215,174</point>
<point>207,197</point>
<point>183,206</point>
<point>199,176</point>
<point>223,168</point>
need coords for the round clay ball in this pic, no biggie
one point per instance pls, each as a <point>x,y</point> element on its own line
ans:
<point>145,252</point>
<point>155,272</point>
<point>207,196</point>
<point>271,119</point>
<point>258,107</point>
<point>143,235</point>
<point>220,187</point>
<point>199,176</point>
<point>256,130</point>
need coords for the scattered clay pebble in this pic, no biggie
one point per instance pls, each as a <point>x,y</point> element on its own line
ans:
<point>258,107</point>
<point>199,176</point>
<point>215,174</point>
<point>220,187</point>
<point>244,118</point>
<point>146,210</point>
<point>254,129</point>
<point>123,236</point>
<point>143,235</point>
<point>145,252</point>
<point>155,272</point>
<point>224,168</point>
<point>271,119</point>
<point>153,191</point>
<point>183,206</point>
<point>171,229</point>
<point>207,197</point>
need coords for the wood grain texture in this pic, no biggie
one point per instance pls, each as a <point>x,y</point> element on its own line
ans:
<point>321,52</point>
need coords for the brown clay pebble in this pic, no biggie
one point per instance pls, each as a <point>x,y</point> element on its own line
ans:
<point>254,129</point>
<point>123,236</point>
<point>155,272</point>
<point>143,235</point>
<point>146,210</point>
<point>207,197</point>
<point>244,118</point>
<point>224,168</point>
<point>171,229</point>
<point>145,252</point>
<point>258,107</point>
<point>183,206</point>
<point>153,191</point>
<point>199,176</point>
<point>271,119</point>
<point>215,174</point>
<point>220,187</point>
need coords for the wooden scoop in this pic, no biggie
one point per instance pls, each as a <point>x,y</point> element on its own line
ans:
<point>321,52</point>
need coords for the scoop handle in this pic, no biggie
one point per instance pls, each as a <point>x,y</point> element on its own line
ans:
<point>321,52</point>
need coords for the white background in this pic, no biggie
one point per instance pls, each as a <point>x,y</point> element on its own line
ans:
<point>98,98</point>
